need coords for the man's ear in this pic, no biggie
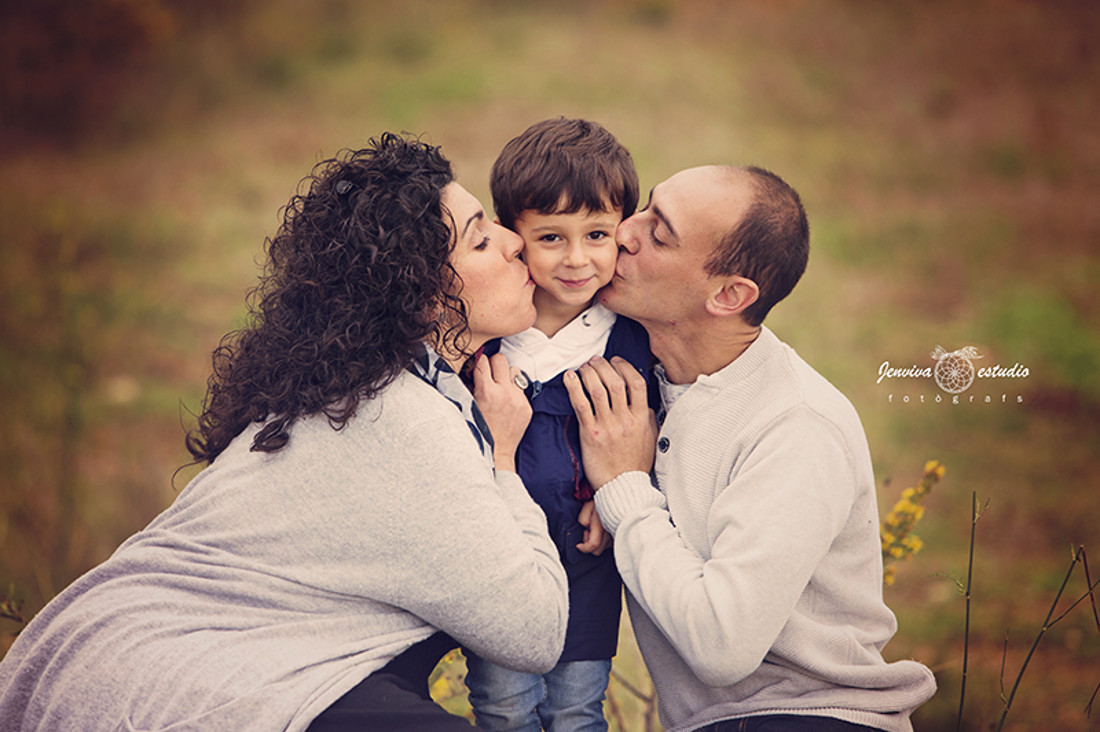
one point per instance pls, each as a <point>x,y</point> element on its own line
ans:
<point>734,295</point>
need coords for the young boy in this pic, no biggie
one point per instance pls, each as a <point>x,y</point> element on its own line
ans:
<point>564,185</point>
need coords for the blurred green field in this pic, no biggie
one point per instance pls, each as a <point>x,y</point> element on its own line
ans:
<point>946,154</point>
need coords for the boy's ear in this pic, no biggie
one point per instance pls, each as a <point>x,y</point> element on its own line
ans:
<point>732,297</point>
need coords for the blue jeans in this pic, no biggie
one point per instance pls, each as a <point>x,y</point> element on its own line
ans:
<point>569,698</point>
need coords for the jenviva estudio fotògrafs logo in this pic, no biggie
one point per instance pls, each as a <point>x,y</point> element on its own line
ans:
<point>955,373</point>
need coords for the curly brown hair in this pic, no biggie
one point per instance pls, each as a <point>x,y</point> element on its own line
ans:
<point>357,276</point>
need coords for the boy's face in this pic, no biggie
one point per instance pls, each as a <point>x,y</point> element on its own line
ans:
<point>570,256</point>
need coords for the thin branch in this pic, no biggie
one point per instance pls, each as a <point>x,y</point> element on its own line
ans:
<point>1046,626</point>
<point>1095,616</point>
<point>616,710</point>
<point>974,516</point>
<point>630,687</point>
<point>1078,601</point>
<point>1089,582</point>
<point>649,701</point>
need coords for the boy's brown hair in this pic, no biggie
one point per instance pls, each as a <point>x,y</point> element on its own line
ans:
<point>563,165</point>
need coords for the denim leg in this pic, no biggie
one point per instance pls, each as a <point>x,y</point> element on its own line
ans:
<point>574,697</point>
<point>503,700</point>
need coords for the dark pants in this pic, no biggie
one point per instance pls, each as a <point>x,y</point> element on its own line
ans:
<point>395,697</point>
<point>785,723</point>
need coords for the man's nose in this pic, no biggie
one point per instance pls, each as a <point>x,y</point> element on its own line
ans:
<point>626,238</point>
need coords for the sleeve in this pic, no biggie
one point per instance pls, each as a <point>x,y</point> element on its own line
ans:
<point>434,532</point>
<point>767,531</point>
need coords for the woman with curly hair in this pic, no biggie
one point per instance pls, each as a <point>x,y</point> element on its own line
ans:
<point>359,514</point>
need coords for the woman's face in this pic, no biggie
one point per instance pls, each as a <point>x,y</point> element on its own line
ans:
<point>496,287</point>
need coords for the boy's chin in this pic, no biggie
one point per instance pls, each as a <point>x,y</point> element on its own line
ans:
<point>578,298</point>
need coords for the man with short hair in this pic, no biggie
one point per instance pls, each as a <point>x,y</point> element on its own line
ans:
<point>751,557</point>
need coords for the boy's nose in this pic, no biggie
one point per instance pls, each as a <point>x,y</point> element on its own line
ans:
<point>575,255</point>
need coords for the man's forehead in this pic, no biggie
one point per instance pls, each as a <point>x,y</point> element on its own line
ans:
<point>710,194</point>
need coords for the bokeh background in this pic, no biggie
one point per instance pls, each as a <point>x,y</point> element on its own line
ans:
<point>946,152</point>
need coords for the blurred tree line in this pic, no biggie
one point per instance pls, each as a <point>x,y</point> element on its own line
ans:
<point>64,64</point>
<point>71,269</point>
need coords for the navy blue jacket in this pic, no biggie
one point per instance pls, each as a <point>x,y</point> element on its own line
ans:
<point>549,461</point>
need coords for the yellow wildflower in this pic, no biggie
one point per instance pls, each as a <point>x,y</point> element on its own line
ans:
<point>936,468</point>
<point>897,541</point>
<point>888,575</point>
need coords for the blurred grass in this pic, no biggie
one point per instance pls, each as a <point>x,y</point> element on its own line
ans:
<point>946,154</point>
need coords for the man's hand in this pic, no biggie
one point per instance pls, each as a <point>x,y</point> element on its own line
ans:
<point>596,538</point>
<point>504,406</point>
<point>618,429</point>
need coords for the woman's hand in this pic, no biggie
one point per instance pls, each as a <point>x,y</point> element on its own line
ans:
<point>504,406</point>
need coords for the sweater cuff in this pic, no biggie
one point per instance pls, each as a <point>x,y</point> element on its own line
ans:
<point>627,492</point>
<point>511,487</point>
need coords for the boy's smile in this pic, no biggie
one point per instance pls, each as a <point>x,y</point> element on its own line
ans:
<point>574,284</point>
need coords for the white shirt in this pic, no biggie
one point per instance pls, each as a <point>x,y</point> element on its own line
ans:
<point>542,357</point>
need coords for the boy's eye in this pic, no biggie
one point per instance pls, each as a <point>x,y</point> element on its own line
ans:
<point>550,238</point>
<point>598,235</point>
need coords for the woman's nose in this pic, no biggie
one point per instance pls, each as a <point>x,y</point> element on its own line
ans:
<point>511,241</point>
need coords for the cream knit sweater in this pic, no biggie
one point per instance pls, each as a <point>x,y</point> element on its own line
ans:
<point>754,568</point>
<point>277,581</point>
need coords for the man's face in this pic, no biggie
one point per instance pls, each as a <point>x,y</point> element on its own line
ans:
<point>660,277</point>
